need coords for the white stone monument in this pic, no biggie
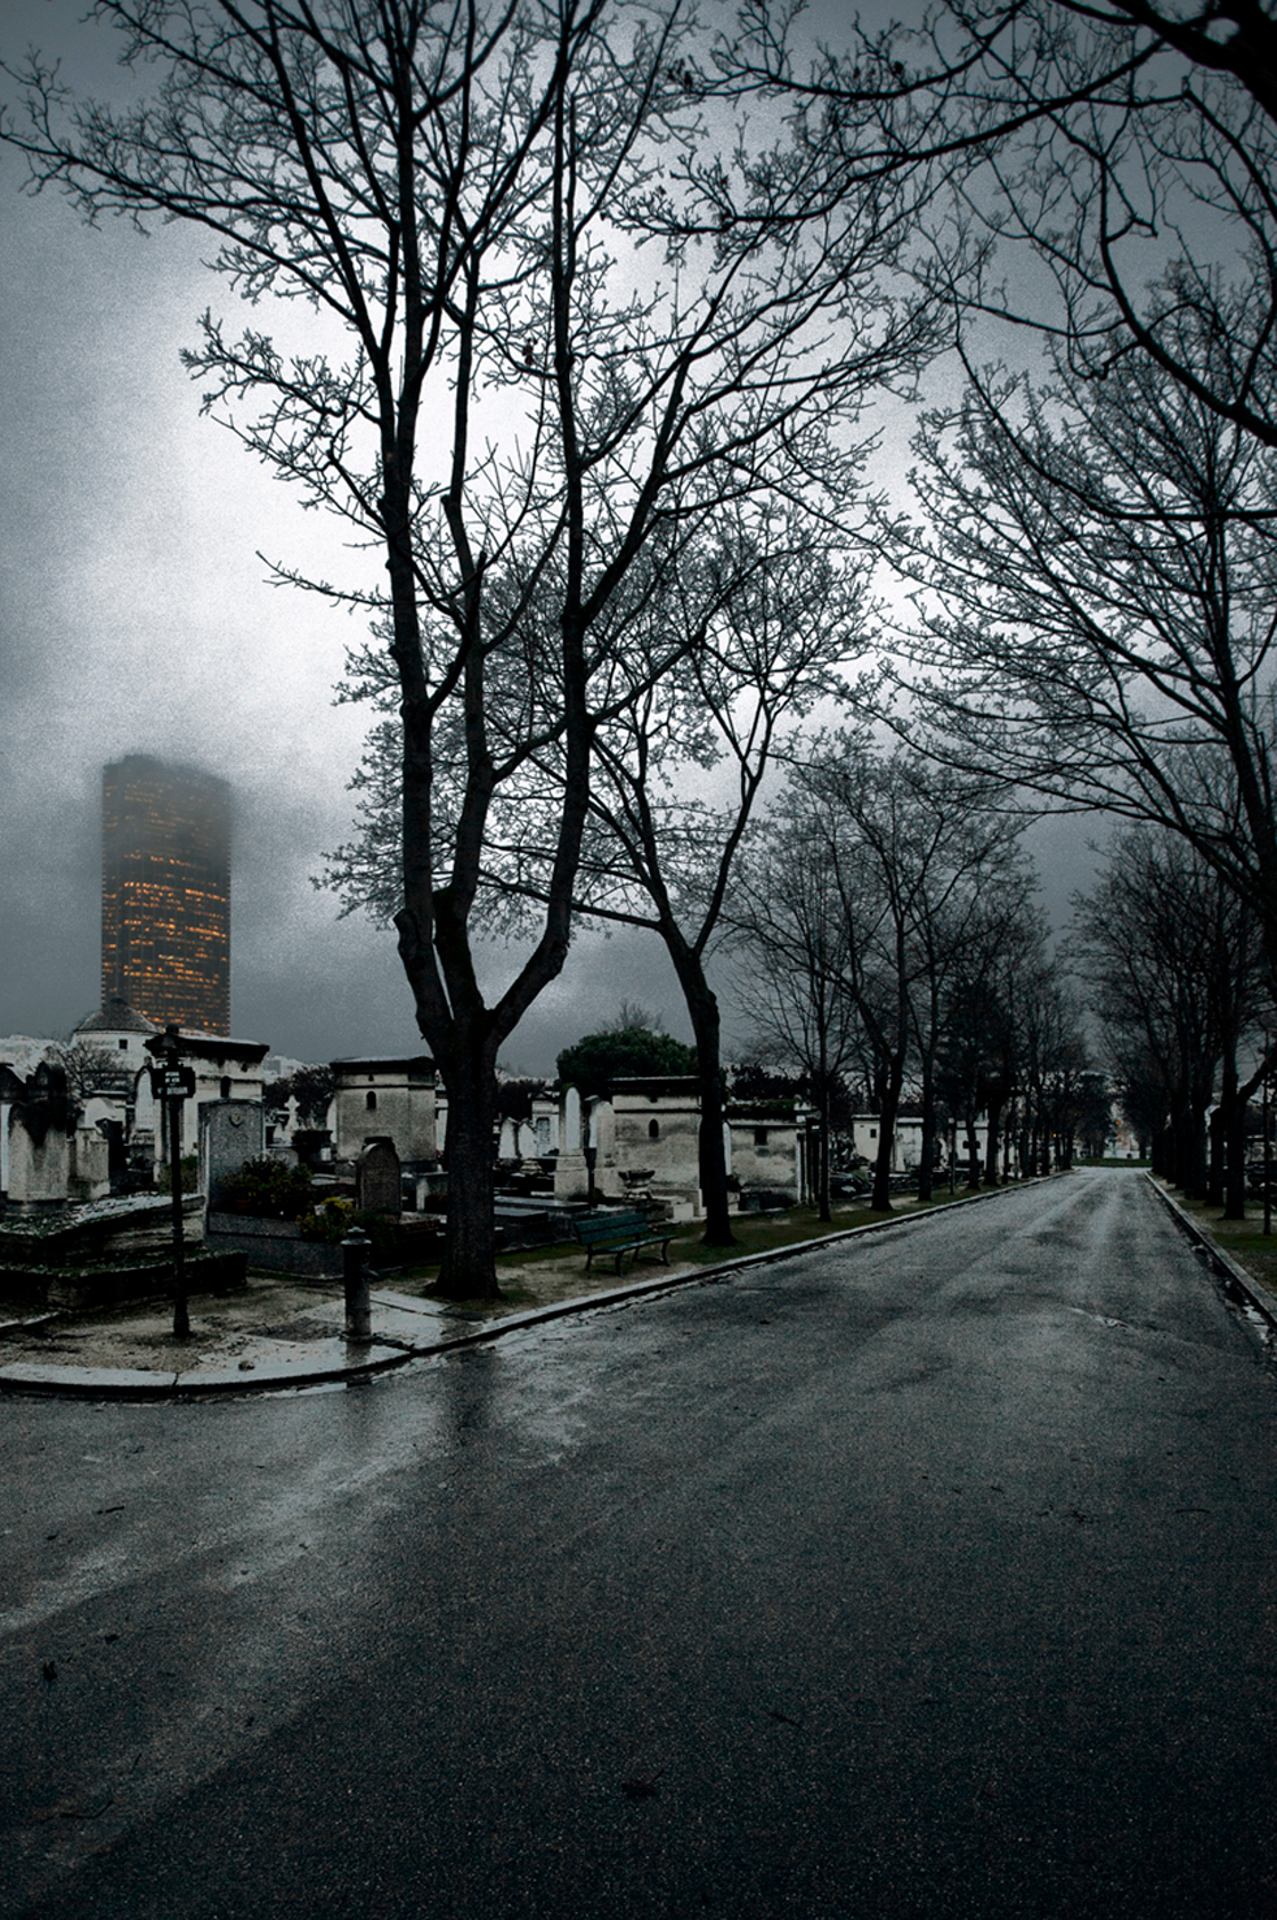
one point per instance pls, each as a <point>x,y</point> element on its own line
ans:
<point>571,1177</point>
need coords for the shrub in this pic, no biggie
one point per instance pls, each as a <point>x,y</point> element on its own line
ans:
<point>266,1187</point>
<point>333,1218</point>
<point>329,1220</point>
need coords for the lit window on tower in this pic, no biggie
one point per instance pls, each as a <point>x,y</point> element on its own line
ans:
<point>166,873</point>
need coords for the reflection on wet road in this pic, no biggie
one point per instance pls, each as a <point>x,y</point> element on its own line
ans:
<point>929,1574</point>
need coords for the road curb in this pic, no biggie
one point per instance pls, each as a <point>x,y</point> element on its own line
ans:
<point>78,1383</point>
<point>1253,1295</point>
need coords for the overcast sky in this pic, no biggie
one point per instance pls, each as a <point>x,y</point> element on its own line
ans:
<point>134,616</point>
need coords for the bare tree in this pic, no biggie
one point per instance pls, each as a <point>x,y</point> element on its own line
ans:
<point>1144,182</point>
<point>975,933</point>
<point>663,855</point>
<point>862,815</point>
<point>518,209</point>
<point>914,865</point>
<point>91,1069</point>
<point>996,979</point>
<point>786,912</point>
<point>1098,567</point>
<point>1174,962</point>
<point>1097,168</point>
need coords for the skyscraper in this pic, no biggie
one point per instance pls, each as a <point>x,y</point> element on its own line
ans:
<point>166,892</point>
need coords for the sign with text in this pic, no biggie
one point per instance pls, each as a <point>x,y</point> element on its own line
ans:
<point>172,1083</point>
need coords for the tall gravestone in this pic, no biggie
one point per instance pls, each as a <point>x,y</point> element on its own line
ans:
<point>377,1178</point>
<point>40,1125</point>
<point>231,1132</point>
<point>571,1179</point>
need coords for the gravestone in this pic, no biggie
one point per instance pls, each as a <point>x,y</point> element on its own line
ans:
<point>231,1132</point>
<point>89,1174</point>
<point>600,1127</point>
<point>377,1187</point>
<point>571,1179</point>
<point>40,1125</point>
<point>117,1158</point>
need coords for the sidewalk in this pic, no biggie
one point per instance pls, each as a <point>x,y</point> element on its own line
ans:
<point>278,1333</point>
<point>281,1333</point>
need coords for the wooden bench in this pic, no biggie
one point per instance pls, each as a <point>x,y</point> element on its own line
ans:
<point>619,1233</point>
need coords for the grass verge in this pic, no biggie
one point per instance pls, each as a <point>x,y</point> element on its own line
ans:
<point>543,1276</point>
<point>1243,1240</point>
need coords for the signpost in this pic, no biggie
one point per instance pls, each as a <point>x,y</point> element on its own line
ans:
<point>172,1083</point>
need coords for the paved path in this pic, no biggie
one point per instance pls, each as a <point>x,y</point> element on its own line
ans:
<point>927,1575</point>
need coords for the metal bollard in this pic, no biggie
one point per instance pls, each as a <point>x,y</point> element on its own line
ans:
<point>354,1273</point>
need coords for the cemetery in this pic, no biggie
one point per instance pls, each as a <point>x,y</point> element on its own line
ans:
<point>597,1177</point>
<point>298,1243</point>
<point>64,1241</point>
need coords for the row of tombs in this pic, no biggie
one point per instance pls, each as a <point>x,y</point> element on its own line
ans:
<point>641,1142</point>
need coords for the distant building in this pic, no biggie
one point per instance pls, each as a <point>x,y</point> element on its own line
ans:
<point>166,893</point>
<point>386,1097</point>
<point>113,1039</point>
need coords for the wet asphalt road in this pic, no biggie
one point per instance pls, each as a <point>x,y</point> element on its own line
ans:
<point>930,1575</point>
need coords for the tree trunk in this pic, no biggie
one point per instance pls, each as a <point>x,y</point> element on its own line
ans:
<point>1192,1147</point>
<point>973,1151</point>
<point>1198,1143</point>
<point>1215,1161</point>
<point>702,1008</point>
<point>926,1172</point>
<point>1235,1160</point>
<point>469,1269</point>
<point>994,1141</point>
<point>1228,1139</point>
<point>824,1208</point>
<point>893,1081</point>
<point>713,1164</point>
<point>1162,1155</point>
